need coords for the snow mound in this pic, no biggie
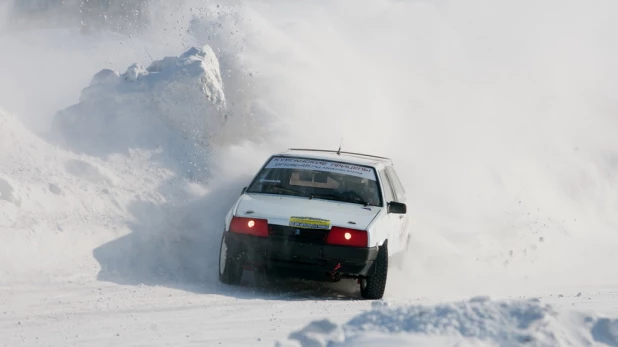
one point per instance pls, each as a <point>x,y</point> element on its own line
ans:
<point>176,104</point>
<point>138,186</point>
<point>57,206</point>
<point>477,322</point>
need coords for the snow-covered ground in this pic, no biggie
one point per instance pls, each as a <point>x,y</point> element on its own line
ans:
<point>119,156</point>
<point>477,322</point>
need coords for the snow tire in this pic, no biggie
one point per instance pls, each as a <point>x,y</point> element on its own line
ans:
<point>230,267</point>
<point>373,286</point>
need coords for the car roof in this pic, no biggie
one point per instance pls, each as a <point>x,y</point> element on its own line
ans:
<point>346,157</point>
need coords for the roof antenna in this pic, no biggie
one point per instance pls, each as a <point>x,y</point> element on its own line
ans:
<point>339,150</point>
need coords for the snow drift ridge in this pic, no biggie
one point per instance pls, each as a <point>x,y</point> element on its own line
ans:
<point>476,322</point>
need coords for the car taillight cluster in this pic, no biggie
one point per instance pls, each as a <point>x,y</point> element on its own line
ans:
<point>249,226</point>
<point>336,236</point>
<point>347,237</point>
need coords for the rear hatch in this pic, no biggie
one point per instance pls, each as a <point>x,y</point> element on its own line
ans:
<point>299,211</point>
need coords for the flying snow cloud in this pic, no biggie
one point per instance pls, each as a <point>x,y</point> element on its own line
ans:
<point>497,116</point>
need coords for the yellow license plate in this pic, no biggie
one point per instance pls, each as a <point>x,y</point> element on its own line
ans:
<point>309,223</point>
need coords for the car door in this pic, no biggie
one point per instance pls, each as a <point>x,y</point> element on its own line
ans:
<point>390,220</point>
<point>400,221</point>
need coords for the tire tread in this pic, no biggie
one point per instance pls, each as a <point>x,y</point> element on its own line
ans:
<point>233,269</point>
<point>376,283</point>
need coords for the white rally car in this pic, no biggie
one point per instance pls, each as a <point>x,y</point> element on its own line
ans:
<point>318,215</point>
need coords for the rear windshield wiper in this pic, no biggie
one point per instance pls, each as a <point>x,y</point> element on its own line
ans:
<point>356,199</point>
<point>324,196</point>
<point>279,187</point>
<point>353,197</point>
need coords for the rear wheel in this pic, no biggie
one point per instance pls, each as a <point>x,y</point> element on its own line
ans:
<point>230,268</point>
<point>373,286</point>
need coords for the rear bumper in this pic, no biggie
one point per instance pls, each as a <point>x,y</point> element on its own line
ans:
<point>301,260</point>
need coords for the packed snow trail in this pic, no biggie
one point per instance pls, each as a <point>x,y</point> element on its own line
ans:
<point>76,313</point>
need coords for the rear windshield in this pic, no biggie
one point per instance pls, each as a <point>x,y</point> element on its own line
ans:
<point>318,179</point>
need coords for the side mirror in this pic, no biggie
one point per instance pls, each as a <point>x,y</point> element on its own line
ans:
<point>243,191</point>
<point>397,208</point>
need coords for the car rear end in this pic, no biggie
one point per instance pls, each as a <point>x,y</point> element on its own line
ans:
<point>306,218</point>
<point>309,253</point>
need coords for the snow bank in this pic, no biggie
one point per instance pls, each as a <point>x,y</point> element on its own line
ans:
<point>125,218</point>
<point>176,104</point>
<point>56,206</point>
<point>177,108</point>
<point>477,322</point>
<point>140,182</point>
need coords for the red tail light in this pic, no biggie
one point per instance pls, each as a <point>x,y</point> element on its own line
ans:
<point>249,226</point>
<point>347,237</point>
